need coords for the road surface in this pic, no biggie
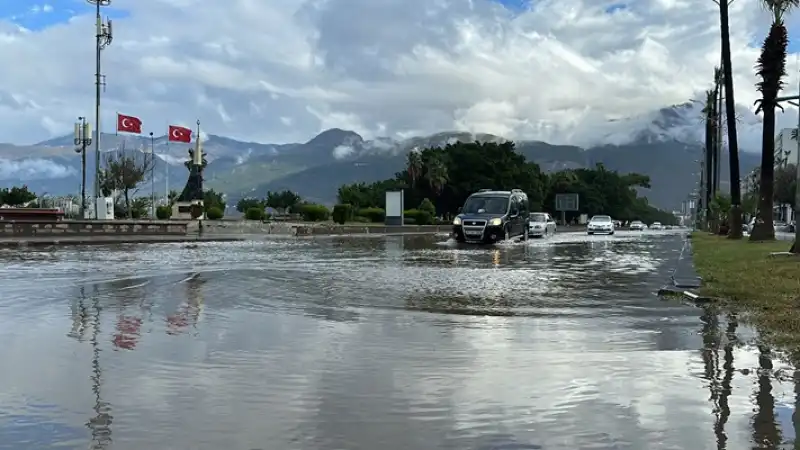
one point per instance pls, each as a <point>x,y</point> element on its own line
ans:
<point>389,343</point>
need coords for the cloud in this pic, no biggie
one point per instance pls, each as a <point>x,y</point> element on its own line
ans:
<point>343,151</point>
<point>33,169</point>
<point>555,70</point>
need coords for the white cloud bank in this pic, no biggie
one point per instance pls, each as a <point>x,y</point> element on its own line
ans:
<point>283,70</point>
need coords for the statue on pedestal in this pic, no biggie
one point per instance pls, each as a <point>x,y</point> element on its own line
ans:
<point>190,203</point>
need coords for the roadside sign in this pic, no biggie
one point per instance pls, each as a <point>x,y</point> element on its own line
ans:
<point>567,202</point>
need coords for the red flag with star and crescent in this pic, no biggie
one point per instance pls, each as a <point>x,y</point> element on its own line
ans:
<point>180,134</point>
<point>129,124</point>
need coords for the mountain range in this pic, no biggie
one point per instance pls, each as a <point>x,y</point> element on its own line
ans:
<point>665,145</point>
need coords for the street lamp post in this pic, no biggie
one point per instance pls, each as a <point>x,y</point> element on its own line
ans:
<point>83,139</point>
<point>103,36</point>
<point>152,176</point>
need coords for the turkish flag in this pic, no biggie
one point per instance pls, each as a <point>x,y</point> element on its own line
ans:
<point>180,134</point>
<point>129,124</point>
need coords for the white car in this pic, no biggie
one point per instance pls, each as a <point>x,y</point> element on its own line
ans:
<point>656,226</point>
<point>600,225</point>
<point>541,224</point>
<point>637,225</point>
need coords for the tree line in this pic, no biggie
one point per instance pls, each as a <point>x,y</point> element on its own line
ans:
<point>770,69</point>
<point>446,176</point>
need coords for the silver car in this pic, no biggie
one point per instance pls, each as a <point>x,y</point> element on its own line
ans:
<point>541,224</point>
<point>600,225</point>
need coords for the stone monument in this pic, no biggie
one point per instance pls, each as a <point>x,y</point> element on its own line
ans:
<point>189,205</point>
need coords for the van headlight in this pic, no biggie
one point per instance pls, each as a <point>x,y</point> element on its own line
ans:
<point>457,221</point>
<point>496,222</point>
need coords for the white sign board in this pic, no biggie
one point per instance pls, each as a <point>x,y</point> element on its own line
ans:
<point>394,208</point>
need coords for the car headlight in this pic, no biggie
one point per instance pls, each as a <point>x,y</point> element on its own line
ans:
<point>496,222</point>
<point>457,221</point>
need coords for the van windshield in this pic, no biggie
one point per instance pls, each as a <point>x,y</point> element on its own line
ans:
<point>485,205</point>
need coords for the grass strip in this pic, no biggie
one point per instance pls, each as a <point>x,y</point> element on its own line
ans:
<point>745,278</point>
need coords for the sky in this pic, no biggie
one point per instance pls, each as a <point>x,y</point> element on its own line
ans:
<point>283,70</point>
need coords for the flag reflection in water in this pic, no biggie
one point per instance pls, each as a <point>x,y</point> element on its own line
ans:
<point>188,312</point>
<point>128,332</point>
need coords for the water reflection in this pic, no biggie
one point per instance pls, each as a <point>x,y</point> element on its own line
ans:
<point>766,434</point>
<point>100,423</point>
<point>723,412</point>
<point>331,345</point>
<point>189,311</point>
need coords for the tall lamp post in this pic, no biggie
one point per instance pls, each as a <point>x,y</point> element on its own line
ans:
<point>152,177</point>
<point>793,100</point>
<point>103,36</point>
<point>83,139</point>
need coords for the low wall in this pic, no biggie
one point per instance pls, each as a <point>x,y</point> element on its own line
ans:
<point>356,229</point>
<point>31,228</point>
<point>232,228</point>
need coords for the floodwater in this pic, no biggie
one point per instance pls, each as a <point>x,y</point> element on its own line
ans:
<point>389,343</point>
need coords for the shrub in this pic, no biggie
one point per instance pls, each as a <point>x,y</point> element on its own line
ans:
<point>427,205</point>
<point>314,213</point>
<point>360,219</point>
<point>376,215</point>
<point>163,212</point>
<point>419,217</point>
<point>214,213</point>
<point>342,213</point>
<point>254,213</point>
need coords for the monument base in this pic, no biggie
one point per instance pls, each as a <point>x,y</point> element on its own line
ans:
<point>188,210</point>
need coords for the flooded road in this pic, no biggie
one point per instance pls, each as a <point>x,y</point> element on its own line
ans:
<point>363,343</point>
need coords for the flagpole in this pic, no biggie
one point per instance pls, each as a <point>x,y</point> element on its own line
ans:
<point>166,171</point>
<point>116,126</point>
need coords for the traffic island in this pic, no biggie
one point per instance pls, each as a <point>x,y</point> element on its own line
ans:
<point>746,278</point>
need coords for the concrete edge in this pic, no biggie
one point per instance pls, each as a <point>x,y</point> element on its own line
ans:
<point>671,292</point>
<point>23,243</point>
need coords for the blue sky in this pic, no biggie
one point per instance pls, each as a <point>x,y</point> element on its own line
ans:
<point>36,15</point>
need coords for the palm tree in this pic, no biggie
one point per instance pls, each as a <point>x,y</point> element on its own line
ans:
<point>718,127</point>
<point>771,67</point>
<point>709,115</point>
<point>436,173</point>
<point>735,214</point>
<point>414,165</point>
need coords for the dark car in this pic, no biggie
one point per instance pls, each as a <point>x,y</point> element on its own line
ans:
<point>491,216</point>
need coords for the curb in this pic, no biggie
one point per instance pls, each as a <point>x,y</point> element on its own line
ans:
<point>684,295</point>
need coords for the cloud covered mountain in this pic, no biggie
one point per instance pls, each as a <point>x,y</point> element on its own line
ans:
<point>664,144</point>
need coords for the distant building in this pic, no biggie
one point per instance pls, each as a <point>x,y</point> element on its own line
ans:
<point>786,147</point>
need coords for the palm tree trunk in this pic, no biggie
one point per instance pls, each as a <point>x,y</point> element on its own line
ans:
<point>735,218</point>
<point>709,164</point>
<point>765,229</point>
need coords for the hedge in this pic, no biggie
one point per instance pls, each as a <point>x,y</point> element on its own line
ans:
<point>342,213</point>
<point>314,213</point>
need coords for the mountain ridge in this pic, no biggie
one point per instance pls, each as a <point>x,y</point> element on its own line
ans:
<point>662,145</point>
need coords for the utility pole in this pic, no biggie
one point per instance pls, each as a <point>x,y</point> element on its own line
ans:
<point>83,139</point>
<point>152,177</point>
<point>103,36</point>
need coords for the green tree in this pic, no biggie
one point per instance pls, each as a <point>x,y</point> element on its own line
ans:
<point>124,173</point>
<point>16,196</point>
<point>414,165</point>
<point>771,68</point>
<point>213,199</point>
<point>246,203</point>
<point>501,167</point>
<point>283,201</point>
